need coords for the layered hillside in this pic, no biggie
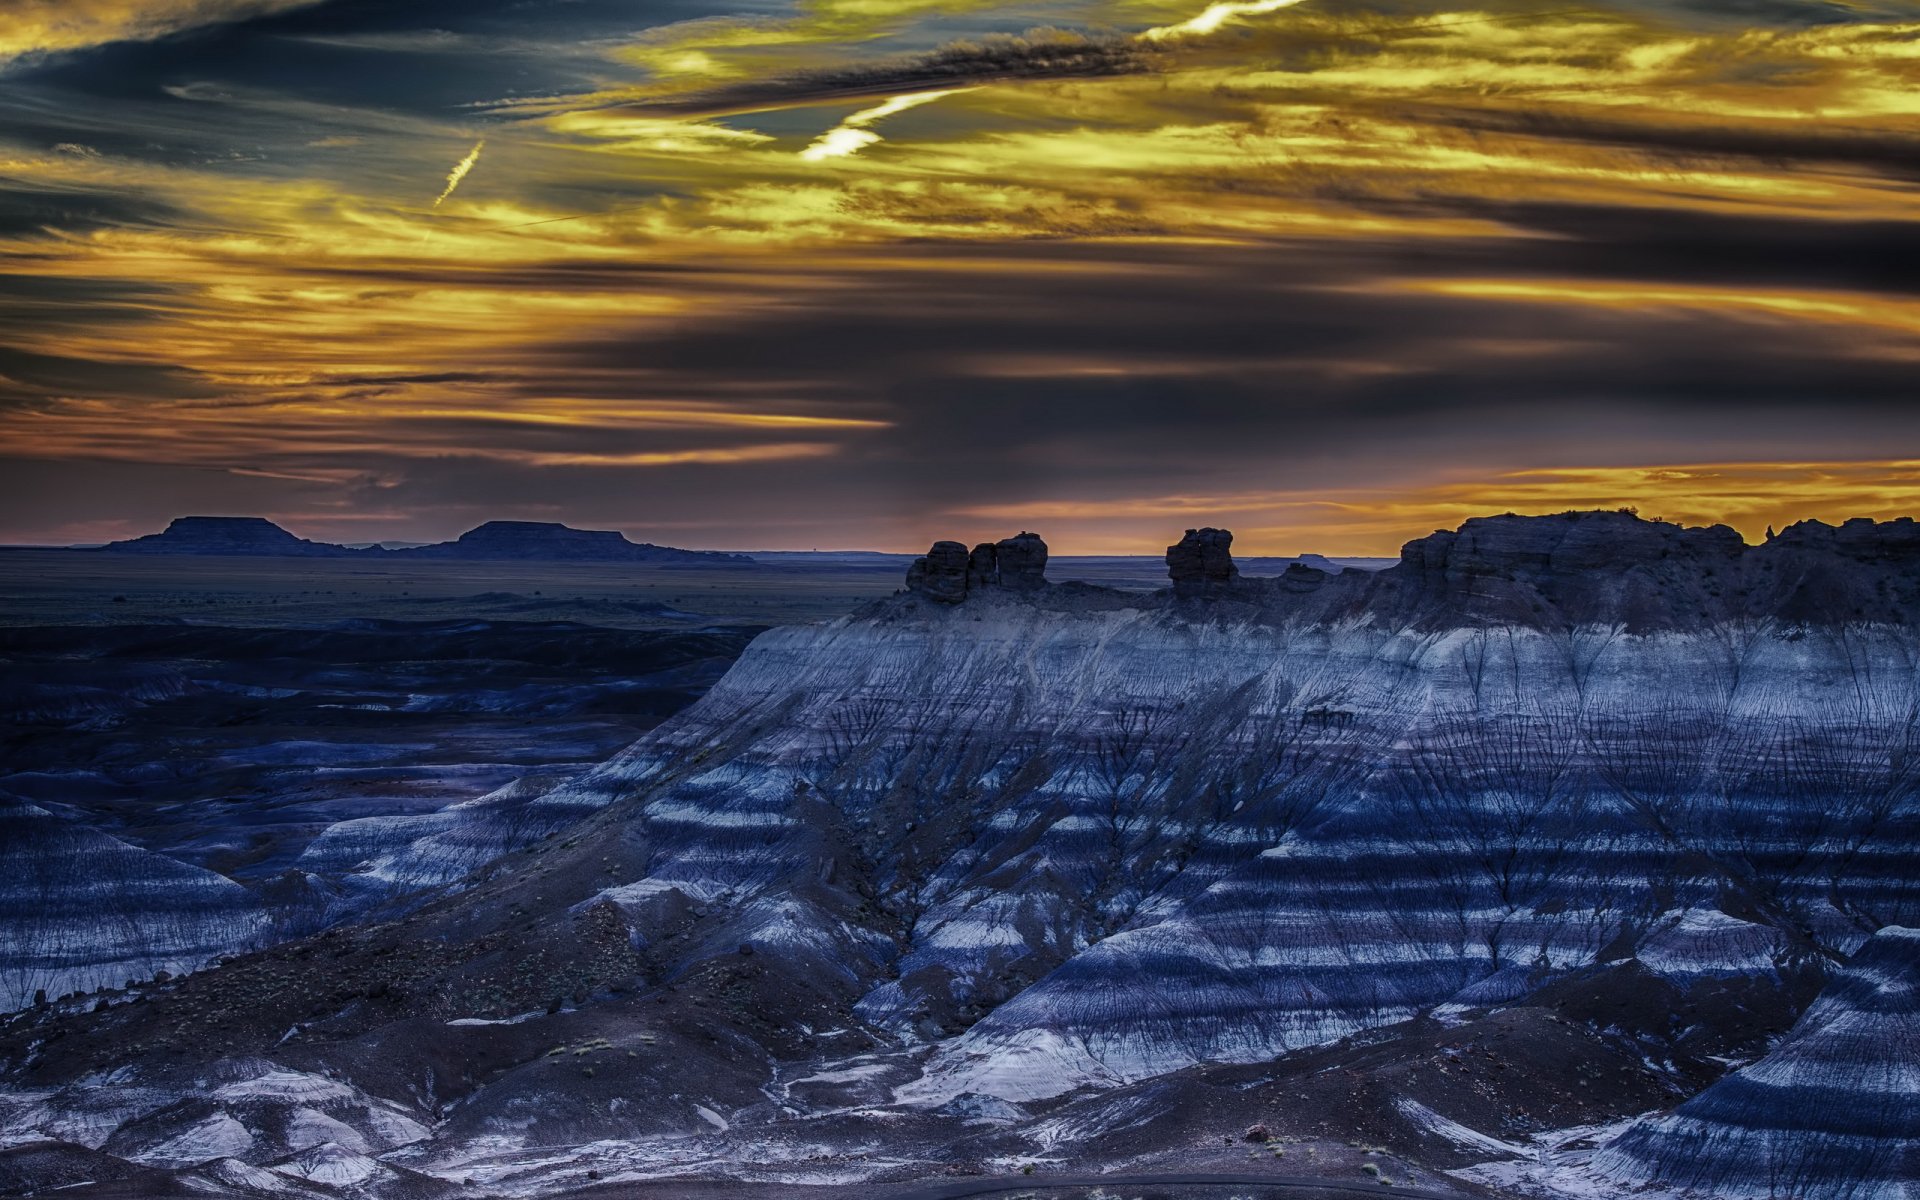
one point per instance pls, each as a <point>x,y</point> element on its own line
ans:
<point>998,868</point>
<point>1834,1109</point>
<point>174,793</point>
<point>80,911</point>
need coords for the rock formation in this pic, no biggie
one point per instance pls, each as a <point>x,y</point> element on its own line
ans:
<point>988,855</point>
<point>1585,566</point>
<point>948,572</point>
<point>983,566</point>
<point>226,537</point>
<point>1201,563</point>
<point>549,541</point>
<point>1600,568</point>
<point>1615,568</point>
<point>527,541</point>
<point>1021,562</point>
<point>941,573</point>
<point>1861,538</point>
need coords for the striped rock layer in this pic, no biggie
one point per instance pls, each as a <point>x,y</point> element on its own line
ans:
<point>1071,849</point>
<point>1833,1110</point>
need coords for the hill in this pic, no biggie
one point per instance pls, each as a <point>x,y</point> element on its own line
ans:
<point>521,541</point>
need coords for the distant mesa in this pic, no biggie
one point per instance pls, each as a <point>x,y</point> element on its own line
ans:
<point>543,540</point>
<point>526,541</point>
<point>228,536</point>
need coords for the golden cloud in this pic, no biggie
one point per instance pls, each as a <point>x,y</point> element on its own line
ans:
<point>38,26</point>
<point>278,296</point>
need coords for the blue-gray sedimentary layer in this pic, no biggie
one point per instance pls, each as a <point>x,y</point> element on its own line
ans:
<point>1833,1110</point>
<point>1055,837</point>
<point>1133,842</point>
<point>81,911</point>
<point>175,793</point>
<point>1077,839</point>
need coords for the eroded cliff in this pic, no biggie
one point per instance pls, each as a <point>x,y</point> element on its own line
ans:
<point>994,847</point>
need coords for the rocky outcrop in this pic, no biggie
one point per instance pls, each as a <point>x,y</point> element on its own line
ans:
<point>1567,547</point>
<point>1020,562</point>
<point>226,537</point>
<point>941,573</point>
<point>1597,568</point>
<point>1832,1113</point>
<point>1862,539</point>
<point>948,572</point>
<point>1614,568</point>
<point>1201,563</point>
<point>1299,578</point>
<point>1581,566</point>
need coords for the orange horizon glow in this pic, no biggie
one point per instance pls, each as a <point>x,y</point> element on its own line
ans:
<point>1749,497</point>
<point>785,279</point>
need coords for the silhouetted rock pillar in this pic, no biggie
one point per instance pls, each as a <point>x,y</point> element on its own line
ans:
<point>949,572</point>
<point>983,567</point>
<point>1022,562</point>
<point>1201,563</point>
<point>941,573</point>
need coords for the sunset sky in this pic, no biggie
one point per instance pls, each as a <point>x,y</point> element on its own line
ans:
<point>860,273</point>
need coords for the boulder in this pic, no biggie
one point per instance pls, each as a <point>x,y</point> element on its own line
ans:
<point>1299,577</point>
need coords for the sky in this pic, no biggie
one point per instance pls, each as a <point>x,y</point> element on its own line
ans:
<point>760,274</point>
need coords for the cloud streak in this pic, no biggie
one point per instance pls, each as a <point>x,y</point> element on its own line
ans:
<point>460,171</point>
<point>1038,55</point>
<point>1214,18</point>
<point>854,132</point>
<point>1301,274</point>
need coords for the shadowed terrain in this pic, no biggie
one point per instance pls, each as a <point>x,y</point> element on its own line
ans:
<point>1458,874</point>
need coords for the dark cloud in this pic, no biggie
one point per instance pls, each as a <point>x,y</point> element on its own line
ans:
<point>1246,364</point>
<point>1038,55</point>
<point>1679,245</point>
<point>963,330</point>
<point>28,212</point>
<point>1784,144</point>
<point>26,377</point>
<point>425,56</point>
